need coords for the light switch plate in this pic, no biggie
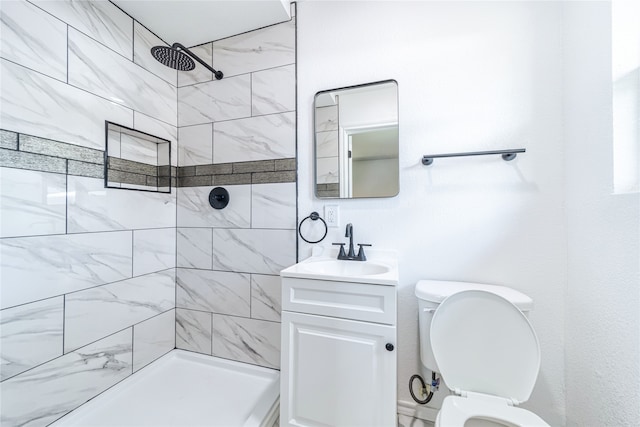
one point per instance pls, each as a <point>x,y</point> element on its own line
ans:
<point>332,215</point>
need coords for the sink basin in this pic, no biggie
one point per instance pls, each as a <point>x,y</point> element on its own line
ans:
<point>381,267</point>
<point>346,268</point>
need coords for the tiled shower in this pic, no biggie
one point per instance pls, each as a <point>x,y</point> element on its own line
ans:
<point>96,283</point>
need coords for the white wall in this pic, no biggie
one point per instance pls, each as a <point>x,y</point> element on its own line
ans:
<point>472,76</point>
<point>603,316</point>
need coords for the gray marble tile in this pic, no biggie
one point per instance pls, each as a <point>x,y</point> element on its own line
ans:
<point>255,138</point>
<point>253,251</point>
<point>327,144</point>
<point>143,41</point>
<point>160,129</point>
<point>215,291</point>
<point>37,105</point>
<point>33,38</point>
<point>266,297</point>
<point>153,338</point>
<point>198,74</point>
<point>257,166</point>
<point>126,165</point>
<point>35,162</point>
<point>32,203</point>
<point>65,263</point>
<point>247,340</point>
<point>101,20</point>
<point>186,171</point>
<point>8,140</point>
<point>326,118</point>
<point>196,145</point>
<point>194,209</point>
<point>225,99</point>
<point>268,47</point>
<point>274,90</point>
<point>153,250</point>
<point>273,206</point>
<point>328,190</point>
<point>195,181</point>
<point>30,335</point>
<point>89,170</point>
<point>40,396</point>
<point>273,177</point>
<point>98,70</point>
<point>285,164</point>
<point>126,180</point>
<point>97,312</point>
<point>219,168</point>
<point>193,330</point>
<point>91,207</point>
<point>48,147</point>
<point>194,247</point>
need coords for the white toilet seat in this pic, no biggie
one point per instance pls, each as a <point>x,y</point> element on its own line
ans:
<point>483,343</point>
<point>489,355</point>
<point>456,411</point>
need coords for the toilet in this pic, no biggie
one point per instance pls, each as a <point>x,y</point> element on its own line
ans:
<point>479,339</point>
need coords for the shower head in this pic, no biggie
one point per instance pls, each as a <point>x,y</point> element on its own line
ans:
<point>173,58</point>
<point>178,57</point>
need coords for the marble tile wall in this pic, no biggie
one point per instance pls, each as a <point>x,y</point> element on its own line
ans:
<point>87,281</point>
<point>239,133</point>
<point>96,283</point>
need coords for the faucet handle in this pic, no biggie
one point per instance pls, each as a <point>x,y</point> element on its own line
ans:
<point>361,256</point>
<point>342,254</point>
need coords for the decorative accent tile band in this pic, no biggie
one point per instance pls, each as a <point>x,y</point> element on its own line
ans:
<point>40,154</point>
<point>22,151</point>
<point>328,190</point>
<point>125,171</point>
<point>254,172</point>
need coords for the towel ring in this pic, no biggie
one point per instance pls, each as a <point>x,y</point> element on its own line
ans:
<point>314,216</point>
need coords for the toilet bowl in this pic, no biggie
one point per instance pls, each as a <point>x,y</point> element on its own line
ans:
<point>486,352</point>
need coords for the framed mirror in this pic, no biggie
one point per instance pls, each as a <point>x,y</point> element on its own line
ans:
<point>356,141</point>
<point>136,160</point>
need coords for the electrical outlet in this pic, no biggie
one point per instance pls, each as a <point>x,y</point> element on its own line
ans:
<point>332,215</point>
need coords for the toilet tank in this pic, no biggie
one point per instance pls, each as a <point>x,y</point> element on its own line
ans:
<point>431,293</point>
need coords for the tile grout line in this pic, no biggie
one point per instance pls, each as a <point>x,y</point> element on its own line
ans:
<point>64,320</point>
<point>66,201</point>
<point>132,344</point>
<point>67,82</point>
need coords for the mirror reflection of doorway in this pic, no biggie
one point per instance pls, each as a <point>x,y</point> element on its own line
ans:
<point>371,166</point>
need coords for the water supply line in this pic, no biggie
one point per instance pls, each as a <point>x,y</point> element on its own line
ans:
<point>435,383</point>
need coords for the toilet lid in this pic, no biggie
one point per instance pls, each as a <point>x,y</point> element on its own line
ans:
<point>483,343</point>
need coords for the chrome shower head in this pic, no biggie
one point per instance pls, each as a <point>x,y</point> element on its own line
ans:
<point>179,57</point>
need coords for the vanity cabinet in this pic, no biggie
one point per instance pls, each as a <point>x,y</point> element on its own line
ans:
<point>338,354</point>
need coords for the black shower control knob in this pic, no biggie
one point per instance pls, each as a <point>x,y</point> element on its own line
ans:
<point>389,347</point>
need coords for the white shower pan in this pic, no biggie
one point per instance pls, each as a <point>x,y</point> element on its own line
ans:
<point>186,389</point>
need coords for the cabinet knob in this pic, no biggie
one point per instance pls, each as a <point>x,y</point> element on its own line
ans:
<point>389,347</point>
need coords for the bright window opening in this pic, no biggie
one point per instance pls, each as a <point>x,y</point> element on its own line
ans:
<point>626,95</point>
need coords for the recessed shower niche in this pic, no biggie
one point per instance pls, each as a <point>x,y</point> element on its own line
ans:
<point>136,160</point>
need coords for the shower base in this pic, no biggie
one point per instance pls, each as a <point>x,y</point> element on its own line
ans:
<point>186,389</point>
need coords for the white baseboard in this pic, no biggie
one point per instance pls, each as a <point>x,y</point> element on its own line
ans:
<point>414,410</point>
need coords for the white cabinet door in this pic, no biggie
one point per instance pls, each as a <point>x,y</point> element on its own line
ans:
<point>337,372</point>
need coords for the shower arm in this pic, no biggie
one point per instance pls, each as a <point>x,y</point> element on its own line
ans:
<point>218,74</point>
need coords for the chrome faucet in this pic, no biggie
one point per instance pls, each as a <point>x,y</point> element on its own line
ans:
<point>351,255</point>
